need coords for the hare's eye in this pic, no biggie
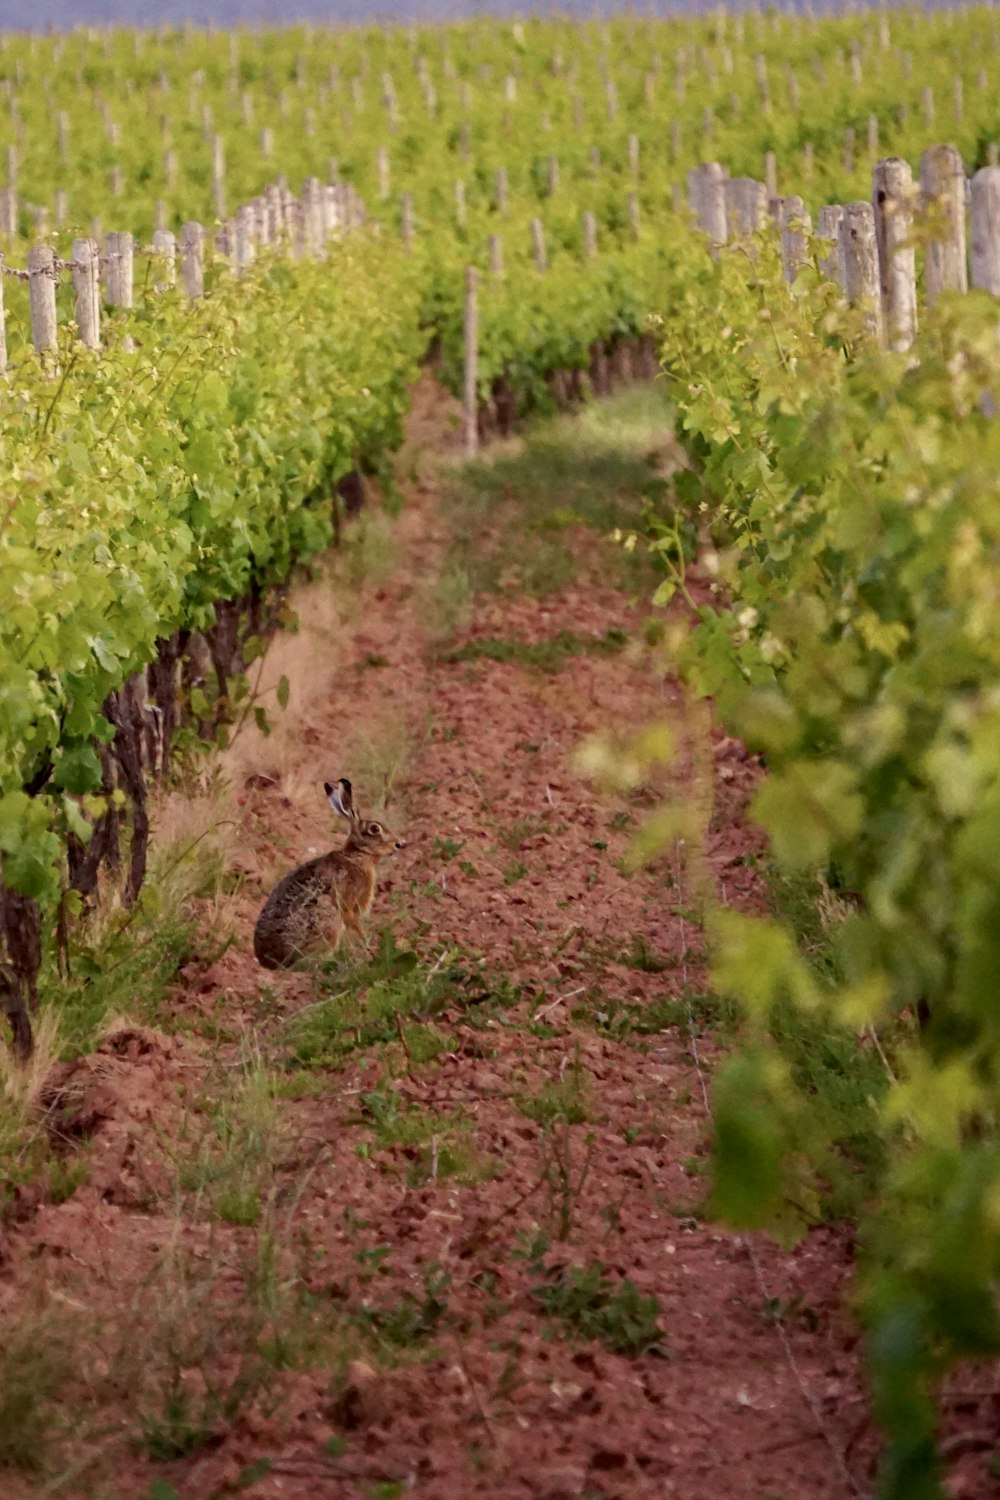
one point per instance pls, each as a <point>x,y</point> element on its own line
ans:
<point>374,829</point>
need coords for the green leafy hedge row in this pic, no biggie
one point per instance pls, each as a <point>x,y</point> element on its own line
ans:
<point>853,499</point>
<point>140,488</point>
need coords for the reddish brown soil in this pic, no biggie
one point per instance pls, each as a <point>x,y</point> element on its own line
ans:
<point>493,1399</point>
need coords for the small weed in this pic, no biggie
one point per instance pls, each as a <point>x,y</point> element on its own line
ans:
<point>65,1175</point>
<point>520,832</point>
<point>564,1183</point>
<point>436,1146</point>
<point>515,872</point>
<point>639,955</point>
<point>234,1160</point>
<point>595,1307</point>
<point>36,1361</point>
<point>566,1100</point>
<point>368,552</point>
<point>410,1320</point>
<point>448,848</point>
<point>365,1005</point>
<point>445,605</point>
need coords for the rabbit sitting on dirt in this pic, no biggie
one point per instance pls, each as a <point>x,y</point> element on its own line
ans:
<point>313,905</point>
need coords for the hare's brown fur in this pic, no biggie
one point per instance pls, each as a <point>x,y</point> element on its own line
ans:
<point>312,906</point>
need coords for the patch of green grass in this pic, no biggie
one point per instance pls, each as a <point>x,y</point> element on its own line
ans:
<point>841,1073</point>
<point>707,1012</point>
<point>410,1320</point>
<point>36,1361</point>
<point>364,1006</point>
<point>594,1306</point>
<point>446,603</point>
<point>435,1145</point>
<point>368,551</point>
<point>515,872</point>
<point>233,1160</point>
<point>517,834</point>
<point>639,955</point>
<point>448,848</point>
<point>512,514</point>
<point>549,655</point>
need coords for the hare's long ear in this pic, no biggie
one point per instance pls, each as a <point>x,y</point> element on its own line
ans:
<point>341,798</point>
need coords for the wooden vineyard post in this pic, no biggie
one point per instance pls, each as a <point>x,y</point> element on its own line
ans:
<point>496,255</point>
<point>3,326</point>
<point>460,212</point>
<point>985,225</point>
<point>942,193</point>
<point>589,234</point>
<point>470,398</point>
<point>42,297</point>
<point>538,244</point>
<point>633,214</point>
<point>193,260</point>
<point>86,282</point>
<point>746,205</point>
<point>796,226</point>
<point>219,176</point>
<point>828,229</point>
<point>892,201</point>
<point>246,224</point>
<point>709,188</point>
<point>119,250</point>
<point>165,248</point>
<point>8,210</point>
<point>858,263</point>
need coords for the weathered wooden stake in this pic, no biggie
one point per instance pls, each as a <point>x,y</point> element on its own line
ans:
<point>219,176</point>
<point>193,259</point>
<point>710,200</point>
<point>42,297</point>
<point>87,283</point>
<point>942,192</point>
<point>828,228</point>
<point>589,234</point>
<point>470,397</point>
<point>858,264</point>
<point>165,249</point>
<point>796,226</point>
<point>893,202</point>
<point>746,205</point>
<point>496,255</point>
<point>3,325</point>
<point>985,227</point>
<point>538,244</point>
<point>246,223</point>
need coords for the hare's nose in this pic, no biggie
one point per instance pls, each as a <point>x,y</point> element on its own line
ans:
<point>400,843</point>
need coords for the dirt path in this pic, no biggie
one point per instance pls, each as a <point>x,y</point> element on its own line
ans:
<point>401,1225</point>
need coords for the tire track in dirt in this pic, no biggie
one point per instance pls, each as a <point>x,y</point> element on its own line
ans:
<point>577,1138</point>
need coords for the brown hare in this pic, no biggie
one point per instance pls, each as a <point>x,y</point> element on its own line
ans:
<point>312,906</point>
